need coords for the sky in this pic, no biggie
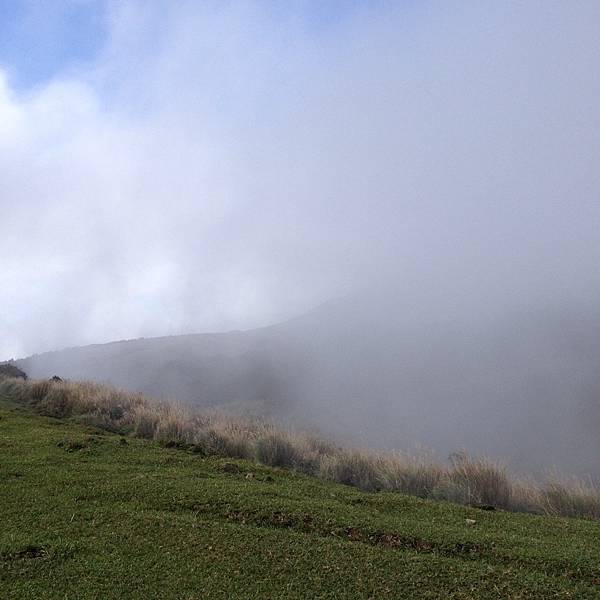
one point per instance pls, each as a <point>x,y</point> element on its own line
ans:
<point>198,166</point>
<point>40,39</point>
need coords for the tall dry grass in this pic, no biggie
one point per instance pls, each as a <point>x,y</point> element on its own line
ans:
<point>466,480</point>
<point>483,481</point>
<point>570,497</point>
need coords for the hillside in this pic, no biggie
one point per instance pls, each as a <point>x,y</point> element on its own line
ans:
<point>241,369</point>
<point>88,514</point>
<point>389,373</point>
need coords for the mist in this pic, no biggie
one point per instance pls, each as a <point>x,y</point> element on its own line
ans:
<point>433,166</point>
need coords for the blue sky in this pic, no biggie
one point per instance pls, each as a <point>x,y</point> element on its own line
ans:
<point>39,38</point>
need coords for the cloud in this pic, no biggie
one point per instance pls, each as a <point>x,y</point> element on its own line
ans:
<point>228,165</point>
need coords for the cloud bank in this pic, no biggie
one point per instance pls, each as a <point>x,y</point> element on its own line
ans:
<point>231,164</point>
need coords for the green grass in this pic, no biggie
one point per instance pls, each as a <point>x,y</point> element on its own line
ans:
<point>87,514</point>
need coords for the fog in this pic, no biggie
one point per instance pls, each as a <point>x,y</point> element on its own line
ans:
<point>232,165</point>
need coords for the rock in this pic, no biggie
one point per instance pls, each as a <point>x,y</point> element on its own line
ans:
<point>470,521</point>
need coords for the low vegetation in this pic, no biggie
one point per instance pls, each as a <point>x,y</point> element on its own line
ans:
<point>10,370</point>
<point>470,481</point>
<point>89,514</point>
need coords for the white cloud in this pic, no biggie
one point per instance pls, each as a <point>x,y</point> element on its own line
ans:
<point>224,166</point>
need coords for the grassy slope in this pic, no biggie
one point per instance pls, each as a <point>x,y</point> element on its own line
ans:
<point>85,515</point>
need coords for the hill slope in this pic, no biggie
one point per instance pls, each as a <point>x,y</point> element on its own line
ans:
<point>385,373</point>
<point>89,515</point>
<point>241,369</point>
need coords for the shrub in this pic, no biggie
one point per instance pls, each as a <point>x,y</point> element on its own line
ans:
<point>9,370</point>
<point>39,390</point>
<point>174,426</point>
<point>352,467</point>
<point>448,490</point>
<point>15,389</point>
<point>483,481</point>
<point>276,449</point>
<point>526,496</point>
<point>409,475</point>
<point>571,498</point>
<point>59,402</point>
<point>145,424</point>
<point>223,442</point>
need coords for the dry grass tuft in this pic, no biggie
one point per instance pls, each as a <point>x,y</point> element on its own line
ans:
<point>277,449</point>
<point>467,480</point>
<point>571,497</point>
<point>417,476</point>
<point>361,469</point>
<point>232,441</point>
<point>482,481</point>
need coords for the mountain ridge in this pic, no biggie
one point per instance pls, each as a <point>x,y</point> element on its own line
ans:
<point>522,386</point>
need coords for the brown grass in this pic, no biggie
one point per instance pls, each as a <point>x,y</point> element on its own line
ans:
<point>359,468</point>
<point>571,497</point>
<point>483,481</point>
<point>414,475</point>
<point>467,480</point>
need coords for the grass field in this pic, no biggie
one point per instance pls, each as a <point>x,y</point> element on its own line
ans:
<point>89,514</point>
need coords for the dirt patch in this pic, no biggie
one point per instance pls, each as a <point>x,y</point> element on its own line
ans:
<point>29,552</point>
<point>327,528</point>
<point>307,523</point>
<point>77,445</point>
